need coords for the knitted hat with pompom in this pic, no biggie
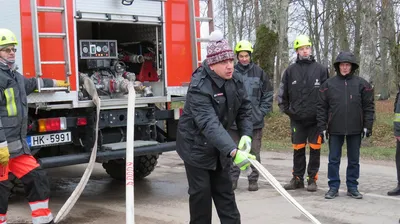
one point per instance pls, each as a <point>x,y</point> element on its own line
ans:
<point>218,49</point>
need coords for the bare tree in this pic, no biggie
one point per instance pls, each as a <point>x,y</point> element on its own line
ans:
<point>369,35</point>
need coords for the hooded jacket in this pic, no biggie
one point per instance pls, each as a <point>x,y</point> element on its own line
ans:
<point>346,103</point>
<point>212,105</point>
<point>14,89</point>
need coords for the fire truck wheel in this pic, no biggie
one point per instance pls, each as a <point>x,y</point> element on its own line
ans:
<point>144,165</point>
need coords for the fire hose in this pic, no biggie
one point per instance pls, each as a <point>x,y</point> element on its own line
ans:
<point>271,179</point>
<point>69,204</point>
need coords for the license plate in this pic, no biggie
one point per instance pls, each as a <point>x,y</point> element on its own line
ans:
<point>49,139</point>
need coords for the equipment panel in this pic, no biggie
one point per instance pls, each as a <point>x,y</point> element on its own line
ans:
<point>98,49</point>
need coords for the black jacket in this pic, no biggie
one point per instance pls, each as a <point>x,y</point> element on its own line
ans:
<point>259,90</point>
<point>396,121</point>
<point>212,105</point>
<point>14,89</point>
<point>346,103</point>
<point>298,91</point>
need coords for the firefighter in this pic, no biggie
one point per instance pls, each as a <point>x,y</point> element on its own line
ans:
<point>215,99</point>
<point>396,124</point>
<point>260,92</point>
<point>345,111</point>
<point>297,97</point>
<point>15,155</point>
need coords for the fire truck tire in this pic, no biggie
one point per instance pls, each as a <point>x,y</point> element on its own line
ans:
<point>144,165</point>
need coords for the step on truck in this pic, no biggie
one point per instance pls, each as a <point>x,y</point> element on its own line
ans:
<point>150,43</point>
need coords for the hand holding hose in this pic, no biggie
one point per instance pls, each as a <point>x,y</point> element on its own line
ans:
<point>241,159</point>
<point>245,143</point>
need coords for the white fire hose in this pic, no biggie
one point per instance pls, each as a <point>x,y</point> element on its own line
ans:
<point>271,179</point>
<point>69,204</point>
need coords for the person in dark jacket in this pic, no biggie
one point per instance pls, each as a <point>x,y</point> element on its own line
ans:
<point>259,90</point>
<point>15,155</point>
<point>346,110</point>
<point>215,99</point>
<point>297,97</point>
<point>396,127</point>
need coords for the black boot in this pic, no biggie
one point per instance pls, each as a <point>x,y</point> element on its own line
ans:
<point>354,193</point>
<point>253,185</point>
<point>312,185</point>
<point>332,193</point>
<point>294,183</point>
<point>395,191</point>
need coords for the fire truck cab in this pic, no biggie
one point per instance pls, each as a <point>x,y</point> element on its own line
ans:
<point>151,44</point>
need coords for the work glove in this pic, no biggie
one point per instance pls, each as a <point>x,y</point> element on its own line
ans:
<point>366,133</point>
<point>325,136</point>
<point>4,154</point>
<point>61,83</point>
<point>241,159</point>
<point>245,143</point>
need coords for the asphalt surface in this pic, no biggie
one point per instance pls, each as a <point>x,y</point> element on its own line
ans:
<point>162,197</point>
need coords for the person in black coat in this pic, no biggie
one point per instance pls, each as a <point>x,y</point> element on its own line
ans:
<point>297,97</point>
<point>346,110</point>
<point>396,127</point>
<point>215,99</point>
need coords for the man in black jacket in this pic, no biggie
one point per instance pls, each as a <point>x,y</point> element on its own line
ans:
<point>215,99</point>
<point>297,97</point>
<point>396,127</point>
<point>345,110</point>
<point>259,90</point>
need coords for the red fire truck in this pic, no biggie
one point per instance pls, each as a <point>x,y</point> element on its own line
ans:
<point>151,43</point>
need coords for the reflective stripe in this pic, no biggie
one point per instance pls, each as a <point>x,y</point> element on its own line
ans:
<point>42,219</point>
<point>39,205</point>
<point>10,98</point>
<point>3,219</point>
<point>15,145</point>
<point>244,162</point>
<point>1,124</point>
<point>397,117</point>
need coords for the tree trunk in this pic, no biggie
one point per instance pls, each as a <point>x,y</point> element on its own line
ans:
<point>326,27</point>
<point>369,35</point>
<point>231,25</point>
<point>256,14</point>
<point>357,30</point>
<point>342,29</point>
<point>283,41</point>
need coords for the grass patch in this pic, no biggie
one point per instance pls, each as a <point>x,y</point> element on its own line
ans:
<point>380,146</point>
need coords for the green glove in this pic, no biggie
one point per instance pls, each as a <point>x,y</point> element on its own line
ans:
<point>245,143</point>
<point>242,159</point>
<point>4,154</point>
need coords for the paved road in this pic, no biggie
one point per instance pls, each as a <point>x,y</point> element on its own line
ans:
<point>162,197</point>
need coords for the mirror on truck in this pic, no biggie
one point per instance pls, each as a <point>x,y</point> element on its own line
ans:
<point>127,2</point>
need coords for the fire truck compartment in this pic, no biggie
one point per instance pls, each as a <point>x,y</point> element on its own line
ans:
<point>114,54</point>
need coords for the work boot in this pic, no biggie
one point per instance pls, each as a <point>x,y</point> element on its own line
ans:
<point>312,185</point>
<point>354,193</point>
<point>253,186</point>
<point>234,184</point>
<point>294,183</point>
<point>395,191</point>
<point>332,193</point>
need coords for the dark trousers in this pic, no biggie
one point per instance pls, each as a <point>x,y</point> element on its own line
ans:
<point>303,133</point>
<point>398,161</point>
<point>208,185</point>
<point>353,156</point>
<point>255,150</point>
